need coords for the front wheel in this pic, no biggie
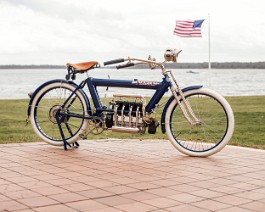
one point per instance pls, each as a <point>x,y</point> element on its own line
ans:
<point>208,137</point>
<point>48,102</point>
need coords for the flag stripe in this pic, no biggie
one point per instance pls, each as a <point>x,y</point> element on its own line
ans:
<point>187,32</point>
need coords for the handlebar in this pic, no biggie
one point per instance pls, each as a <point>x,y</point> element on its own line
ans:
<point>125,65</point>
<point>170,55</point>
<point>113,61</point>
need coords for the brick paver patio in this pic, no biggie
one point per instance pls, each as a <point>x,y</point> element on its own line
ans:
<point>129,175</point>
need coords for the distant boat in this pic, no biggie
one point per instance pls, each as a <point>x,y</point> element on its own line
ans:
<point>192,72</point>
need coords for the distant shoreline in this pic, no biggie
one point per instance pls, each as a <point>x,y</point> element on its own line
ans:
<point>214,65</point>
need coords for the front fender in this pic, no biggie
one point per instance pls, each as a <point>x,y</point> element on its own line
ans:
<point>54,81</point>
<point>170,100</point>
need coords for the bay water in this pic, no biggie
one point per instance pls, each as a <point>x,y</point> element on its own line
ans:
<point>17,83</point>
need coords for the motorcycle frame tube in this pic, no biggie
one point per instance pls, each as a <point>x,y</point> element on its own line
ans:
<point>160,87</point>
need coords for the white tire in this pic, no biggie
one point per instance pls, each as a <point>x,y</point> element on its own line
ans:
<point>43,109</point>
<point>215,130</point>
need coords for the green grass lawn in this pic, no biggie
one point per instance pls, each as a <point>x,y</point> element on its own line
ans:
<point>249,123</point>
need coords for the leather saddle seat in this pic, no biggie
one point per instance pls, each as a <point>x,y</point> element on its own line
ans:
<point>85,66</point>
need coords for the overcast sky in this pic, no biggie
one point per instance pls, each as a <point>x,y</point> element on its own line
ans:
<point>60,31</point>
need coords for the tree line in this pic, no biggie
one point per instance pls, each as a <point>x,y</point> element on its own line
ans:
<point>215,65</point>
<point>204,65</point>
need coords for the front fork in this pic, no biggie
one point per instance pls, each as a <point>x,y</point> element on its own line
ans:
<point>184,105</point>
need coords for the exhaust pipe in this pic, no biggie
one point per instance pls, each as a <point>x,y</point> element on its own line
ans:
<point>125,129</point>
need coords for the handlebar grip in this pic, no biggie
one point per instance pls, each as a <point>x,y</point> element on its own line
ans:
<point>125,66</point>
<point>114,61</point>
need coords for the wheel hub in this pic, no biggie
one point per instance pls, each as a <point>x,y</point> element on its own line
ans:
<point>53,111</point>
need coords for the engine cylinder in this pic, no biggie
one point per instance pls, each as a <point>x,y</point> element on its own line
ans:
<point>128,115</point>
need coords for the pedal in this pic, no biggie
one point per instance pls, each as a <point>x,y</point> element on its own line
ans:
<point>82,136</point>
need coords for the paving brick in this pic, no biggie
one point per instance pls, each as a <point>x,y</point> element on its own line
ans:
<point>166,182</point>
<point>37,201</point>
<point>143,185</point>
<point>99,183</point>
<point>11,205</point>
<point>185,188</point>
<point>20,179</point>
<point>55,208</point>
<point>235,209</point>
<point>46,177</point>
<point>232,200</point>
<point>107,209</point>
<point>85,205</point>
<point>136,206</point>
<point>226,189</point>
<point>186,198</point>
<point>22,194</point>
<point>67,197</point>
<point>251,195</point>
<point>256,206</point>
<point>3,198</point>
<point>75,187</point>
<point>114,200</point>
<point>49,190</point>
<point>163,191</point>
<point>140,195</point>
<point>124,180</point>
<point>60,182</point>
<point>211,205</point>
<point>96,193</point>
<point>10,187</point>
<point>26,210</point>
<point>185,207</point>
<point>161,202</point>
<point>206,193</point>
<point>120,189</point>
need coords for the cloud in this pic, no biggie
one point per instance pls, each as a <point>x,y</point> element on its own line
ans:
<point>54,31</point>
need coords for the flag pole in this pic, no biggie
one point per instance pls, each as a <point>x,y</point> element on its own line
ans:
<point>209,39</point>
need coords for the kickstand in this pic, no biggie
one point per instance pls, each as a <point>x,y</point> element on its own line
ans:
<point>75,144</point>
<point>65,143</point>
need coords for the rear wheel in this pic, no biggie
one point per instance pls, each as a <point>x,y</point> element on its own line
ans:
<point>208,137</point>
<point>47,103</point>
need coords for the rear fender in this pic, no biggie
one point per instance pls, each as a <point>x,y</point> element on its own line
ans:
<point>54,81</point>
<point>170,100</point>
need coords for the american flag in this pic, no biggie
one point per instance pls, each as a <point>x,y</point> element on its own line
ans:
<point>188,28</point>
